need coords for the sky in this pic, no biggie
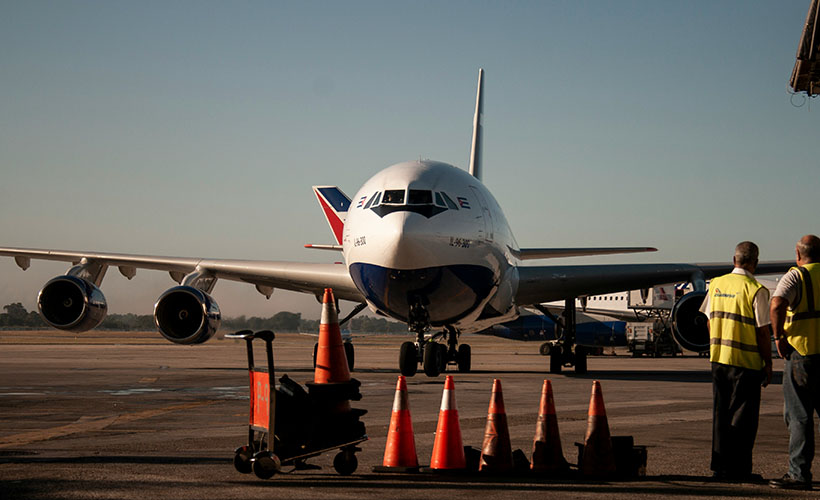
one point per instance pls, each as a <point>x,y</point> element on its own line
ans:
<point>197,128</point>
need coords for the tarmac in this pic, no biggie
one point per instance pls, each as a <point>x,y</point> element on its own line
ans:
<point>130,416</point>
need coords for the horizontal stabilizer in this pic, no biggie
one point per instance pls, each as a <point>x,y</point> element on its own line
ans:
<point>338,248</point>
<point>554,253</point>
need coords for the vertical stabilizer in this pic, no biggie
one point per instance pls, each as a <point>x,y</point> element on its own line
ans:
<point>335,205</point>
<point>475,148</point>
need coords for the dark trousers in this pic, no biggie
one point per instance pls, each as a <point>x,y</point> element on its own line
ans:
<point>735,415</point>
<point>801,393</point>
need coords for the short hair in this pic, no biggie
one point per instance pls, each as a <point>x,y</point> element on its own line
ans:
<point>809,248</point>
<point>746,253</point>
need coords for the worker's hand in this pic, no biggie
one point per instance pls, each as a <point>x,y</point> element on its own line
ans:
<point>783,347</point>
<point>767,370</point>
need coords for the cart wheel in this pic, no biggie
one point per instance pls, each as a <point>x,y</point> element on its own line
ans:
<point>345,463</point>
<point>242,459</point>
<point>265,464</point>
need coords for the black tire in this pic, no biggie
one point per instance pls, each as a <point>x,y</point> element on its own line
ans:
<point>408,359</point>
<point>544,349</point>
<point>432,359</point>
<point>345,463</point>
<point>464,360</point>
<point>442,367</point>
<point>265,465</point>
<point>350,355</point>
<point>580,359</point>
<point>242,460</point>
<point>556,361</point>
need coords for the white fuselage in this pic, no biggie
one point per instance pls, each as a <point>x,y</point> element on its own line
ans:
<point>426,238</point>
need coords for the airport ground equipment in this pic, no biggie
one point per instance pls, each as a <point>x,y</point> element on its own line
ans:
<point>650,339</point>
<point>288,425</point>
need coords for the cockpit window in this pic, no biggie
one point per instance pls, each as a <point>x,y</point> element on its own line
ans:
<point>440,200</point>
<point>372,200</point>
<point>420,197</point>
<point>394,196</point>
<point>449,202</point>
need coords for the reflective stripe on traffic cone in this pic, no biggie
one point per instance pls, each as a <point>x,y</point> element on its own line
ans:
<point>331,362</point>
<point>496,452</point>
<point>400,451</point>
<point>598,458</point>
<point>547,454</point>
<point>448,451</point>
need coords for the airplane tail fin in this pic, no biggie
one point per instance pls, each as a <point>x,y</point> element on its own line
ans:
<point>335,205</point>
<point>475,148</point>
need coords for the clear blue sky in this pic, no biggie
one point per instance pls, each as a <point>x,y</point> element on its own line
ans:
<point>197,128</point>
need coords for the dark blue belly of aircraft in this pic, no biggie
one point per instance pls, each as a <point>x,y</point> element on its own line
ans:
<point>448,293</point>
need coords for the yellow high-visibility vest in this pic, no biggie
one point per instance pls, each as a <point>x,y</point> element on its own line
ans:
<point>732,326</point>
<point>803,322</point>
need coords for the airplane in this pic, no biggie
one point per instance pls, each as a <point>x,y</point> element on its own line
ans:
<point>422,242</point>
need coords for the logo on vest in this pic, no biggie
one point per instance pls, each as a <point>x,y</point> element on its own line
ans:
<point>718,293</point>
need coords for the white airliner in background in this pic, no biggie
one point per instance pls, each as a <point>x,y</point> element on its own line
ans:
<point>423,242</point>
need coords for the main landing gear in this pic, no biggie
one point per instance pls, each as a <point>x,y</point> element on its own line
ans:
<point>564,351</point>
<point>434,355</point>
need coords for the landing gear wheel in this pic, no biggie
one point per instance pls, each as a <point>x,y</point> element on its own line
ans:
<point>464,358</point>
<point>556,362</point>
<point>408,359</point>
<point>345,463</point>
<point>432,359</point>
<point>544,349</point>
<point>265,464</point>
<point>242,460</point>
<point>442,367</point>
<point>350,355</point>
<point>580,360</point>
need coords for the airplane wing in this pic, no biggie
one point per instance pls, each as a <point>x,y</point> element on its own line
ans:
<point>266,275</point>
<point>539,284</point>
<point>553,253</point>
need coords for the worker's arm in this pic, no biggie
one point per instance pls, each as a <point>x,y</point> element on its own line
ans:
<point>764,347</point>
<point>777,314</point>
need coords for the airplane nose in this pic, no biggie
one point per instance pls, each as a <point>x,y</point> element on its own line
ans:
<point>409,244</point>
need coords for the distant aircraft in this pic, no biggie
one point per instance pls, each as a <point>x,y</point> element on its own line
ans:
<point>423,242</point>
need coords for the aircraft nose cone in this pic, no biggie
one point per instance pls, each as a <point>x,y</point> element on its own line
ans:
<point>409,243</point>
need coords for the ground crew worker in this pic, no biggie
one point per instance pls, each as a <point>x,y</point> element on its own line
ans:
<point>740,351</point>
<point>795,313</point>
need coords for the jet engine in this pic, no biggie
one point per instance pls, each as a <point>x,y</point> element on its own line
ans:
<point>72,303</point>
<point>187,315</point>
<point>689,325</point>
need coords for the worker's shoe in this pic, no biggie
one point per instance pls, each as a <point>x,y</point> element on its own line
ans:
<point>789,483</point>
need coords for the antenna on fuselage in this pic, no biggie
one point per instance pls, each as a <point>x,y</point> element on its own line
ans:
<point>475,148</point>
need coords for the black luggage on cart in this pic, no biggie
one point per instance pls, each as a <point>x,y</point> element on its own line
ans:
<point>303,424</point>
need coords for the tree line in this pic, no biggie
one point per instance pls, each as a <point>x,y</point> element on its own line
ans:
<point>16,316</point>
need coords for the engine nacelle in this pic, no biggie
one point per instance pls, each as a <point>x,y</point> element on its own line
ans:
<point>72,303</point>
<point>689,325</point>
<point>187,315</point>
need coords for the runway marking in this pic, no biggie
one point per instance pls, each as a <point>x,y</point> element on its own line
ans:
<point>87,424</point>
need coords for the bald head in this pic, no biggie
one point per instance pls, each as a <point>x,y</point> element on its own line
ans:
<point>808,249</point>
<point>746,254</point>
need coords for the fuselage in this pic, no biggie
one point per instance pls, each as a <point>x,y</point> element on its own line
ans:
<point>426,241</point>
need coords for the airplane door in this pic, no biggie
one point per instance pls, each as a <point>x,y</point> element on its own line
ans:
<point>485,214</point>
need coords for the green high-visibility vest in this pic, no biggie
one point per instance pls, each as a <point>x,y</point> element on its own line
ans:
<point>803,322</point>
<point>732,326</point>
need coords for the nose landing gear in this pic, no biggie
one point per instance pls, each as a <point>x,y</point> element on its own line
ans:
<point>434,355</point>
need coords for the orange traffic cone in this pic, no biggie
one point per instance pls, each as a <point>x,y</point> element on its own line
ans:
<point>400,451</point>
<point>598,458</point>
<point>496,452</point>
<point>331,362</point>
<point>547,454</point>
<point>448,451</point>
